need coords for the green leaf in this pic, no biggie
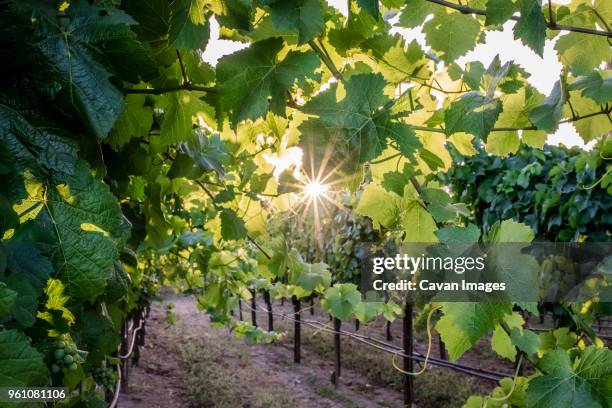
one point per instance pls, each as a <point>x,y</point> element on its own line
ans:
<point>547,115</point>
<point>29,144</point>
<point>180,109</point>
<point>366,311</point>
<point>118,284</point>
<point>153,17</point>
<point>340,300</point>
<point>565,385</point>
<point>463,143</point>
<point>209,153</point>
<point>99,334</point>
<point>68,52</point>
<point>7,300</point>
<point>472,113</point>
<point>534,138</point>
<point>510,231</point>
<point>503,143</point>
<point>531,26</point>
<point>456,235</point>
<point>406,139</point>
<point>357,124</point>
<point>88,225</point>
<point>305,16</point>
<point>380,205</point>
<point>189,26</point>
<point>22,365</point>
<point>499,11</point>
<point>55,311</point>
<point>464,323</point>
<point>582,53</point>
<point>370,6</point>
<point>28,271</point>
<point>418,224</point>
<point>597,85</point>
<point>232,226</point>
<point>256,80</point>
<point>502,345</point>
<point>415,12</point>
<point>135,120</point>
<point>591,127</point>
<point>313,277</point>
<point>525,340</point>
<point>452,35</point>
<point>441,207</point>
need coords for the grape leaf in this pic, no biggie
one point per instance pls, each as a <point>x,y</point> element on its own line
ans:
<point>464,323</point>
<point>357,126</point>
<point>254,81</point>
<point>28,271</point>
<point>189,26</point>
<point>99,334</point>
<point>597,85</point>
<point>582,53</point>
<point>592,127</point>
<point>31,145</point>
<point>503,143</point>
<point>502,345</point>
<point>232,226</point>
<point>510,231</point>
<point>312,277</point>
<point>22,365</point>
<point>525,340</point>
<point>531,26</point>
<point>463,143</point>
<point>68,53</point>
<point>415,12</point>
<point>305,16</point>
<point>7,300</point>
<point>180,108</point>
<point>472,113</point>
<point>340,300</point>
<point>418,224</point>
<point>88,225</point>
<point>135,120</point>
<point>366,311</point>
<point>452,35</point>
<point>547,115</point>
<point>499,11</point>
<point>379,204</point>
<point>566,386</point>
<point>370,6</point>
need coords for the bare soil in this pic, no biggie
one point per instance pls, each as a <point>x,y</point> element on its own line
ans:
<point>182,364</point>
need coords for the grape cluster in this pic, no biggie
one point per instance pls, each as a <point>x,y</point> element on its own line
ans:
<point>65,357</point>
<point>106,377</point>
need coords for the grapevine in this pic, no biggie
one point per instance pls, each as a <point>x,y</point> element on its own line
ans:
<point>129,164</point>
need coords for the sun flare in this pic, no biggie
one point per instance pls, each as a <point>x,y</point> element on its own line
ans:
<point>314,189</point>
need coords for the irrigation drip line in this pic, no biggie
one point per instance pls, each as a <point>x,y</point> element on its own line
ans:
<point>134,333</point>
<point>394,350</point>
<point>117,390</point>
<point>113,404</point>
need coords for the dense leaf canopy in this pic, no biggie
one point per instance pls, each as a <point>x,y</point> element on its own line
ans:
<point>128,162</point>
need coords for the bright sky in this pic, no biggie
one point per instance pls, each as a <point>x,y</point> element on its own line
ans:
<point>544,71</point>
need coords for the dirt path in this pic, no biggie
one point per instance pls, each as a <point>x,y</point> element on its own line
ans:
<point>192,363</point>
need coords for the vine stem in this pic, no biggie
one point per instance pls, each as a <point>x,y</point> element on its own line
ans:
<point>326,60</point>
<point>161,91</point>
<point>550,24</point>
